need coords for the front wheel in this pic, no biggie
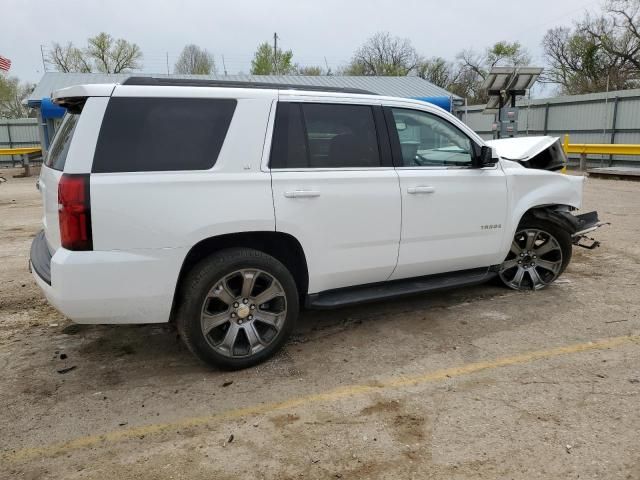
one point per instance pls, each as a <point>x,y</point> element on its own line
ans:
<point>539,253</point>
<point>237,308</point>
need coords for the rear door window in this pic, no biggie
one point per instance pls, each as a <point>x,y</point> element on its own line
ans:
<point>289,146</point>
<point>317,135</point>
<point>162,134</point>
<point>57,155</point>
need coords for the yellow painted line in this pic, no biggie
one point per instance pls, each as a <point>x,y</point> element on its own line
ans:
<point>328,396</point>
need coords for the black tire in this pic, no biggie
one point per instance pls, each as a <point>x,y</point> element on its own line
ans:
<point>564,242</point>
<point>214,270</point>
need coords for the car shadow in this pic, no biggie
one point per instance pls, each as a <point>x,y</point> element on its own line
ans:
<point>157,347</point>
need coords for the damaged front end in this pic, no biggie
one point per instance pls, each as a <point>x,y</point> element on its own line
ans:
<point>546,153</point>
<point>579,226</point>
<point>543,153</point>
<point>586,223</point>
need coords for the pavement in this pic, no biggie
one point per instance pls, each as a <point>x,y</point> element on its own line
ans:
<point>479,382</point>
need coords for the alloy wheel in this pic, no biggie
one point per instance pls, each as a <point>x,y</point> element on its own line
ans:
<point>534,260</point>
<point>243,313</point>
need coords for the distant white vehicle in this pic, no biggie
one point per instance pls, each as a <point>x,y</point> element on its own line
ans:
<point>225,207</point>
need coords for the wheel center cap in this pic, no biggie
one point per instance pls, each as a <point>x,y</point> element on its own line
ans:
<point>243,311</point>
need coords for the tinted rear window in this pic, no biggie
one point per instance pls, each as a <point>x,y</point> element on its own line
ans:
<point>162,134</point>
<point>289,148</point>
<point>57,155</point>
<point>317,135</point>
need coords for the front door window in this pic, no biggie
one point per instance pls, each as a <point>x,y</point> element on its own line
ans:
<point>427,140</point>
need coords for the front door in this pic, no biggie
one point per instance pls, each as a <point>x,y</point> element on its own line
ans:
<point>335,190</point>
<point>453,215</point>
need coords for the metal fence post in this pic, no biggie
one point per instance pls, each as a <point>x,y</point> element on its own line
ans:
<point>546,118</point>
<point>26,164</point>
<point>583,162</point>
<point>613,125</point>
<point>8,125</point>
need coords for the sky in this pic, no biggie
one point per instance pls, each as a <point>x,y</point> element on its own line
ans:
<point>314,29</point>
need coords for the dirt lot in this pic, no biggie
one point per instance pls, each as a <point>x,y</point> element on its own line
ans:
<point>479,382</point>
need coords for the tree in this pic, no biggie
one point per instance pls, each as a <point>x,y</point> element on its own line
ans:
<point>577,63</point>
<point>264,63</point>
<point>67,58</point>
<point>113,56</point>
<point>102,54</point>
<point>12,95</point>
<point>617,31</point>
<point>195,60</point>
<point>600,52</point>
<point>437,70</point>
<point>312,71</point>
<point>383,55</point>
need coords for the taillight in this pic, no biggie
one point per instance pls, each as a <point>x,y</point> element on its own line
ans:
<point>74,212</point>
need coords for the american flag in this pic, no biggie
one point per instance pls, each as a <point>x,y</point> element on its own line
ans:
<point>5,64</point>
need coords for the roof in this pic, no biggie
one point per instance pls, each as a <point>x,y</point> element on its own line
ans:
<point>188,82</point>
<point>404,87</point>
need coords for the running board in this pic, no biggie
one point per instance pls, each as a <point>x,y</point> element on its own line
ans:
<point>398,288</point>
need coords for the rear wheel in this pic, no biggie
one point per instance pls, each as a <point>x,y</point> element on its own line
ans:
<point>540,252</point>
<point>238,308</point>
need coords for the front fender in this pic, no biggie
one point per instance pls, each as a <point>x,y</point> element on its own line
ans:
<point>529,188</point>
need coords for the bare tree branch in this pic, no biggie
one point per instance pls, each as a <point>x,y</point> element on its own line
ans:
<point>383,55</point>
<point>103,54</point>
<point>194,60</point>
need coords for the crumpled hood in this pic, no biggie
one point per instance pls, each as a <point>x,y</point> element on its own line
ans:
<point>544,153</point>
<point>521,148</point>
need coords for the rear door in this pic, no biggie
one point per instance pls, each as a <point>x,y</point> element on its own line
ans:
<point>335,190</point>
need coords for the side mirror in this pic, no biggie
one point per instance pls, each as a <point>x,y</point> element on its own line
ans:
<point>488,157</point>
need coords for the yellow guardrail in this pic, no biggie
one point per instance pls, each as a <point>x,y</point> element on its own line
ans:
<point>19,151</point>
<point>600,148</point>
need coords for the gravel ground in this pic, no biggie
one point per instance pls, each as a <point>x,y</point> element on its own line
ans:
<point>479,382</point>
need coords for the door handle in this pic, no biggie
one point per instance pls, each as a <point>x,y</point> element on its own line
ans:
<point>420,189</point>
<point>302,194</point>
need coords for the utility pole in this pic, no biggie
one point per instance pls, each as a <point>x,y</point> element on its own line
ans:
<point>167,63</point>
<point>44,64</point>
<point>275,53</point>
<point>224,66</point>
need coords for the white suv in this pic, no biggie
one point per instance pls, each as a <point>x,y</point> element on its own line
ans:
<point>224,207</point>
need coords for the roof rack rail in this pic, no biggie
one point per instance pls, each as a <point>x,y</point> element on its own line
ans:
<point>189,82</point>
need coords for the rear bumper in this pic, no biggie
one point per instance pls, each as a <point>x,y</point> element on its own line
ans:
<point>40,258</point>
<point>113,287</point>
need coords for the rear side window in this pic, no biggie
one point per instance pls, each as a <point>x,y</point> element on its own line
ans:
<point>57,155</point>
<point>316,135</point>
<point>162,134</point>
<point>289,146</point>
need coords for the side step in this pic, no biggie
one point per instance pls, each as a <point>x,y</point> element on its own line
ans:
<point>398,288</point>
